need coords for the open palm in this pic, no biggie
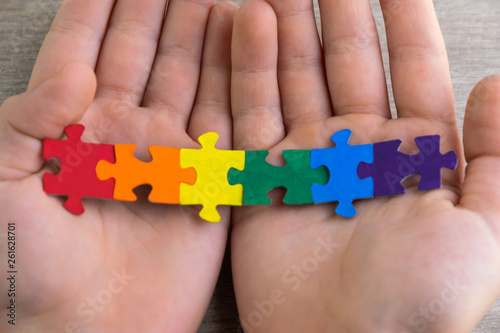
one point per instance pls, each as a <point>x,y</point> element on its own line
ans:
<point>420,262</point>
<point>124,267</point>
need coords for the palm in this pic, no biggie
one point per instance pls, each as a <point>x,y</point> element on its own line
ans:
<point>160,259</point>
<point>392,276</point>
<point>404,264</point>
<point>153,245</point>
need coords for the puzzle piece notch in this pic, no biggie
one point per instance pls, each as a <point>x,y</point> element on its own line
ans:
<point>344,185</point>
<point>77,177</point>
<point>390,166</point>
<point>163,173</point>
<point>259,177</point>
<point>211,188</point>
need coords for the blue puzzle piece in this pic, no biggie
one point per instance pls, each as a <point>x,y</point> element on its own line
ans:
<point>344,184</point>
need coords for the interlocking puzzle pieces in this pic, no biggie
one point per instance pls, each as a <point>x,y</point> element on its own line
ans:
<point>77,177</point>
<point>212,177</point>
<point>390,167</point>
<point>344,185</point>
<point>163,173</point>
<point>259,177</point>
<point>211,187</point>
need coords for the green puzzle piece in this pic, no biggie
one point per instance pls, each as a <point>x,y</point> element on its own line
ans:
<point>259,177</point>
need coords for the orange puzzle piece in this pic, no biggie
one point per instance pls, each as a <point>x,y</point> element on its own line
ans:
<point>163,173</point>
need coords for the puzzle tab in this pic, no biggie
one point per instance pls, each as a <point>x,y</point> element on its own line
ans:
<point>211,177</point>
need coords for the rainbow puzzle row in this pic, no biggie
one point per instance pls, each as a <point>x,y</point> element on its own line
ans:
<point>212,177</point>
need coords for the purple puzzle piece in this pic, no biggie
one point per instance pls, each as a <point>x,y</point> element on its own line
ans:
<point>390,167</point>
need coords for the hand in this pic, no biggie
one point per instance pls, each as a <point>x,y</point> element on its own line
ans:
<point>419,262</point>
<point>120,267</point>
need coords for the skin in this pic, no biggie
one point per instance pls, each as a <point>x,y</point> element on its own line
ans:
<point>172,86</point>
<point>422,262</point>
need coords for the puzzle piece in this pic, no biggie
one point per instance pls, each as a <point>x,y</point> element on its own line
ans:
<point>212,177</point>
<point>259,177</point>
<point>211,188</point>
<point>163,173</point>
<point>77,178</point>
<point>390,167</point>
<point>344,184</point>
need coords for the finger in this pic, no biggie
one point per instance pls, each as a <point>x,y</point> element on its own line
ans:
<point>420,73</point>
<point>42,112</point>
<point>129,49</point>
<point>481,190</point>
<point>353,59</point>
<point>302,83</point>
<point>75,36</point>
<point>255,98</point>
<point>212,111</point>
<point>176,72</point>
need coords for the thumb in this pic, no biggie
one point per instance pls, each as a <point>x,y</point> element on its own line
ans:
<point>43,112</point>
<point>481,191</point>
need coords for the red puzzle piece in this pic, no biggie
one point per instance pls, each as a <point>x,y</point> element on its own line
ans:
<point>77,178</point>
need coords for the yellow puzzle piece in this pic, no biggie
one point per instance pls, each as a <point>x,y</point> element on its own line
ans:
<point>211,188</point>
